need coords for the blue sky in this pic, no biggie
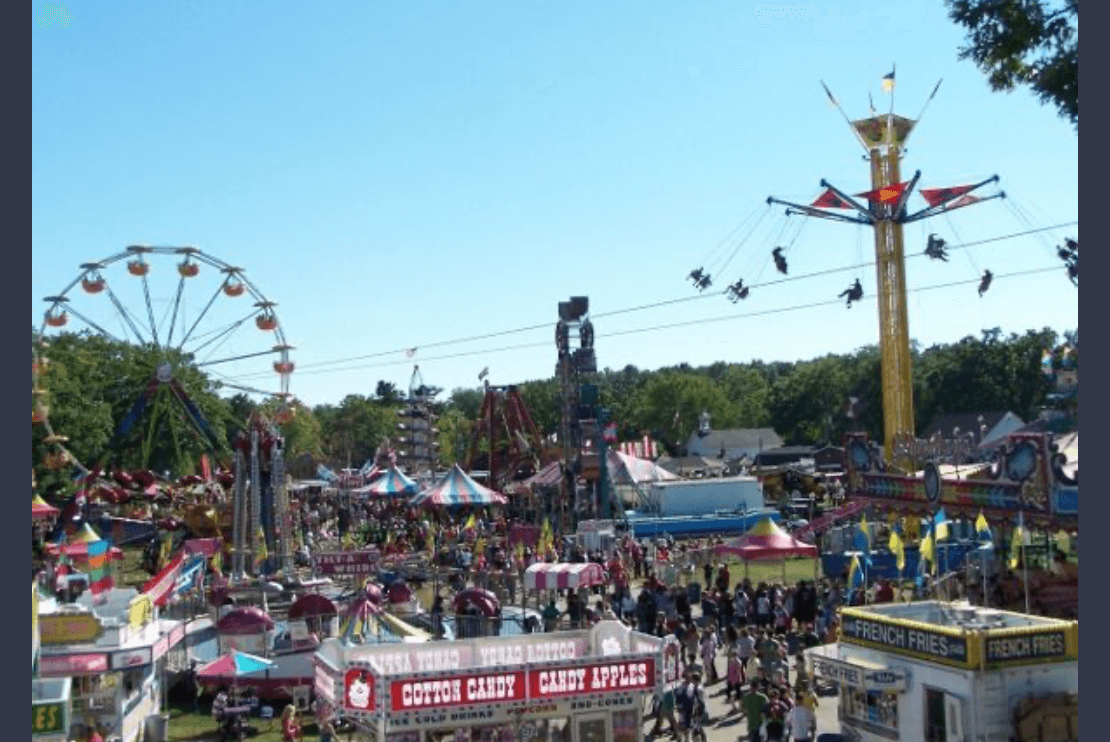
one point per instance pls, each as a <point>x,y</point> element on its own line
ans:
<point>397,174</point>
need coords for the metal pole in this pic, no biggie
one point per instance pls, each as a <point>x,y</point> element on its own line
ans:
<point>1024,567</point>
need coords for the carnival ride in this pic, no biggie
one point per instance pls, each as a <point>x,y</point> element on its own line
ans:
<point>506,439</point>
<point>1026,480</point>
<point>190,311</point>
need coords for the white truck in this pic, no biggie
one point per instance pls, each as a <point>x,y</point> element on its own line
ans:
<point>697,497</point>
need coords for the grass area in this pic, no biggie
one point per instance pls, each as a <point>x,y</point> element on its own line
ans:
<point>186,726</point>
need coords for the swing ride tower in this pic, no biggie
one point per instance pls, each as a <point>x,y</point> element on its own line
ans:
<point>883,137</point>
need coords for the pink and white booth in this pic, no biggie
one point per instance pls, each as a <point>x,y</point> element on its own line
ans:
<point>590,685</point>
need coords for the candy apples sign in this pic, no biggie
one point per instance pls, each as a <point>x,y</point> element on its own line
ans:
<point>611,677</point>
<point>358,690</point>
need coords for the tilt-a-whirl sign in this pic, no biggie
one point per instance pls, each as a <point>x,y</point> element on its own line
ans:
<point>1056,641</point>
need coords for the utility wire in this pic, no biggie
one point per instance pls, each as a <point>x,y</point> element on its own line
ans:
<point>301,368</point>
<point>675,325</point>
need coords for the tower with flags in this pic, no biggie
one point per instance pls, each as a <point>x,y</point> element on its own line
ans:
<point>884,207</point>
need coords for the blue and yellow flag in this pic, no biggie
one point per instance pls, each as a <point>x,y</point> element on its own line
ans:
<point>855,574</point>
<point>863,539</point>
<point>940,530</point>
<point>888,81</point>
<point>983,529</point>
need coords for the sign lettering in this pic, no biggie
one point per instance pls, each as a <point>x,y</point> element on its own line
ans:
<point>48,718</point>
<point>1014,649</point>
<point>904,640</point>
<point>406,695</point>
<point>347,562</point>
<point>69,628</point>
<point>616,676</point>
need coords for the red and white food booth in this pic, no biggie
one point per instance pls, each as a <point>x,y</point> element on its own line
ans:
<point>590,685</point>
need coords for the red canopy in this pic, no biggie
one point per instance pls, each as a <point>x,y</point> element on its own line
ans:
<point>766,540</point>
<point>312,604</point>
<point>484,600</point>
<point>246,620</point>
<point>40,508</point>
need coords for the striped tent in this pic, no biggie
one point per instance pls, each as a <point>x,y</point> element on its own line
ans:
<point>456,488</point>
<point>41,509</point>
<point>393,483</point>
<point>765,540</point>
<point>563,576</point>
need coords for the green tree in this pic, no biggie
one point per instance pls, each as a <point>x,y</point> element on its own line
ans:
<point>686,393</point>
<point>353,430</point>
<point>302,431</point>
<point>806,405</point>
<point>543,403</point>
<point>98,384</point>
<point>1025,42</point>
<point>466,401</point>
<point>751,393</point>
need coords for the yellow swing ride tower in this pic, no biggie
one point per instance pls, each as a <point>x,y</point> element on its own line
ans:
<point>883,137</point>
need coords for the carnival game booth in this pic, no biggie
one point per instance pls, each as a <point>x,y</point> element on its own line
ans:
<point>113,651</point>
<point>951,671</point>
<point>573,686</point>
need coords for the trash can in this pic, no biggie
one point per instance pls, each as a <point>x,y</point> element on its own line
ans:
<point>693,593</point>
<point>156,728</point>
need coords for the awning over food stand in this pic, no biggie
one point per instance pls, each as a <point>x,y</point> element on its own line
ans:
<point>563,576</point>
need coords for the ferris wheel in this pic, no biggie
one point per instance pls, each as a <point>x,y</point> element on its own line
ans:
<point>197,320</point>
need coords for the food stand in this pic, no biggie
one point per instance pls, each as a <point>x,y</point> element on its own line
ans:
<point>570,686</point>
<point>932,670</point>
<point>110,652</point>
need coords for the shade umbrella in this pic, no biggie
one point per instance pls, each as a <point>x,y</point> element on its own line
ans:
<point>233,666</point>
<point>456,488</point>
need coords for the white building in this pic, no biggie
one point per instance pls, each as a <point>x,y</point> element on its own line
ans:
<point>953,673</point>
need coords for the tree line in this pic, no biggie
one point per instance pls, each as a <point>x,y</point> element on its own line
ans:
<point>92,385</point>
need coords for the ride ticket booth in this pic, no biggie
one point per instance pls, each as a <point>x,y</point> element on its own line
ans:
<point>948,672</point>
<point>570,686</point>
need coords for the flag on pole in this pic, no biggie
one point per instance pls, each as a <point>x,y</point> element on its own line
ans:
<point>886,195</point>
<point>100,577</point>
<point>888,81</point>
<point>871,102</point>
<point>982,528</point>
<point>928,548</point>
<point>941,525</point>
<point>261,553</point>
<point>1017,541</point>
<point>855,574</point>
<point>829,200</point>
<point>898,549</point>
<point>863,539</point>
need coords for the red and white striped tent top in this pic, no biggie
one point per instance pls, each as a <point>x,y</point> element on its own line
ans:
<point>563,576</point>
<point>456,488</point>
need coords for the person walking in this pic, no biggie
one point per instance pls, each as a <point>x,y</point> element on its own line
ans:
<point>801,722</point>
<point>290,724</point>
<point>752,707</point>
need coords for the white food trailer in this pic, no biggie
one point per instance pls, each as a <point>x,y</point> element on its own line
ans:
<point>590,685</point>
<point>951,672</point>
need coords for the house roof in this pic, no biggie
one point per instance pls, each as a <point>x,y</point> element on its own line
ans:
<point>758,438</point>
<point>783,455</point>
<point>967,422</point>
<point>683,465</point>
